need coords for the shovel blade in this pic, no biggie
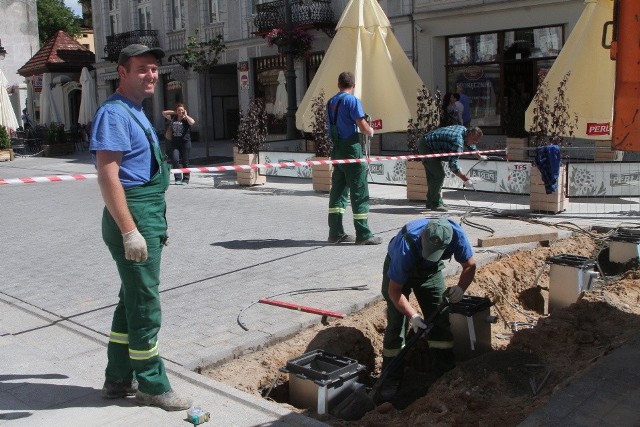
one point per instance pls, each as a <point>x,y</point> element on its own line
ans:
<point>355,405</point>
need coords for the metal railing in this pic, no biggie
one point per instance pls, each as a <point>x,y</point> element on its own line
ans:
<point>317,13</point>
<point>117,42</point>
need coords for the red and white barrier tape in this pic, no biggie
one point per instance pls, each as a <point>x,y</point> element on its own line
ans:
<point>81,177</point>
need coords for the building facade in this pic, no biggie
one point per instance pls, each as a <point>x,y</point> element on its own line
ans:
<point>19,37</point>
<point>494,49</point>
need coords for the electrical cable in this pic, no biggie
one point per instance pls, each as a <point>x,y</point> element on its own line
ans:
<point>298,292</point>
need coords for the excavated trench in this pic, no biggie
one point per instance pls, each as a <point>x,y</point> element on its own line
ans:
<point>527,347</point>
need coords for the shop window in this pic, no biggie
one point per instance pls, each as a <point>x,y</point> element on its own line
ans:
<point>481,83</point>
<point>532,43</point>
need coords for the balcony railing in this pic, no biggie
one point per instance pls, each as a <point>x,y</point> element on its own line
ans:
<point>313,14</point>
<point>117,42</point>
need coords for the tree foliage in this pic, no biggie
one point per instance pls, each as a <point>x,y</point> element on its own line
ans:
<point>319,126</point>
<point>202,56</point>
<point>54,16</point>
<point>552,121</point>
<point>428,117</point>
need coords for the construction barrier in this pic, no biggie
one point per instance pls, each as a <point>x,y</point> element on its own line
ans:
<point>81,177</point>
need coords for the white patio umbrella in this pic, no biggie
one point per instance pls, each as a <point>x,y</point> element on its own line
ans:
<point>386,82</point>
<point>7,115</point>
<point>592,80</point>
<point>88,104</point>
<point>48,110</point>
<point>280,104</point>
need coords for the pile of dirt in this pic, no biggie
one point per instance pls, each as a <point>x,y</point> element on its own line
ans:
<point>494,388</point>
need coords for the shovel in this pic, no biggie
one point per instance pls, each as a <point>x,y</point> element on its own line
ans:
<point>359,402</point>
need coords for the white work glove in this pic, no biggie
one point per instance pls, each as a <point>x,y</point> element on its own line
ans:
<point>135,247</point>
<point>454,294</point>
<point>416,323</point>
<point>468,184</point>
<point>372,132</point>
<point>483,158</point>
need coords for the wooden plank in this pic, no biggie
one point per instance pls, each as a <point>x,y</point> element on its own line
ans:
<point>510,240</point>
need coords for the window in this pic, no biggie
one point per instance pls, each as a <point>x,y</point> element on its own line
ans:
<point>499,72</point>
<point>114,16</point>
<point>144,14</point>
<point>177,8</point>
<point>213,11</point>
<point>257,2</point>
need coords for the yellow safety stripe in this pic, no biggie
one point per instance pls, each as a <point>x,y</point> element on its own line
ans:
<point>143,354</point>
<point>360,216</point>
<point>440,344</point>
<point>119,338</point>
<point>336,210</point>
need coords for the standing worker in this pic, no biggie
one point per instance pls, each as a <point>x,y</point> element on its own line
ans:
<point>180,145</point>
<point>450,139</point>
<point>133,179</point>
<point>345,116</point>
<point>414,262</point>
<point>466,104</point>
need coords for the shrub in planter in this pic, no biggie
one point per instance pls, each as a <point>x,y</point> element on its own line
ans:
<point>252,133</point>
<point>321,175</point>
<point>427,119</point>
<point>5,141</point>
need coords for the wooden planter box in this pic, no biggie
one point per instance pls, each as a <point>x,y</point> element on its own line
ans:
<point>604,153</point>
<point>321,176</point>
<point>518,149</point>
<point>248,177</point>
<point>416,181</point>
<point>6,154</point>
<point>53,150</point>
<point>540,201</point>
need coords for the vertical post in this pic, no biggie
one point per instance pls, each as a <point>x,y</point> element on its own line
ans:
<point>291,77</point>
<point>205,125</point>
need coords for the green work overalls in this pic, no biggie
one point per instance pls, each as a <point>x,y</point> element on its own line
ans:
<point>345,179</point>
<point>428,286</point>
<point>133,343</point>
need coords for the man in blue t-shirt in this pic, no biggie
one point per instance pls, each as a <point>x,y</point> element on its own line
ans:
<point>133,178</point>
<point>414,263</point>
<point>345,116</point>
<point>466,103</point>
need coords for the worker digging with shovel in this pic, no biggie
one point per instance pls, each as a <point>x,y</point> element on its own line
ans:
<point>414,263</point>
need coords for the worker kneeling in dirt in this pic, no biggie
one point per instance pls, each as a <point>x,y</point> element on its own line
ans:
<point>414,262</point>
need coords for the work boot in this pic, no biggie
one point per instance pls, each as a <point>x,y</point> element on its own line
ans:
<point>178,178</point>
<point>373,240</point>
<point>169,401</point>
<point>185,178</point>
<point>111,390</point>
<point>391,383</point>
<point>345,238</point>
<point>440,209</point>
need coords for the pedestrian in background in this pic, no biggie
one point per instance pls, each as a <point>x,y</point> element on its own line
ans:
<point>451,113</point>
<point>450,139</point>
<point>345,116</point>
<point>133,178</point>
<point>179,148</point>
<point>466,104</point>
<point>414,263</point>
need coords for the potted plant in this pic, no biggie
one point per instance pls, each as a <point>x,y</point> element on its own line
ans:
<point>6,152</point>
<point>57,144</point>
<point>427,119</point>
<point>296,41</point>
<point>321,174</point>
<point>551,125</point>
<point>252,133</point>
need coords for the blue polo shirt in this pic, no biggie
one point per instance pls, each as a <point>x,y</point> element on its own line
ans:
<point>404,260</point>
<point>113,129</point>
<point>350,110</point>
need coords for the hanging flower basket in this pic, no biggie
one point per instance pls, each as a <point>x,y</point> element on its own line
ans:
<point>297,41</point>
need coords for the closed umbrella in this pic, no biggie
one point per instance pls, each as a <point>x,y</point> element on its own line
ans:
<point>386,82</point>
<point>88,104</point>
<point>591,82</point>
<point>280,105</point>
<point>7,115</point>
<point>48,110</point>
